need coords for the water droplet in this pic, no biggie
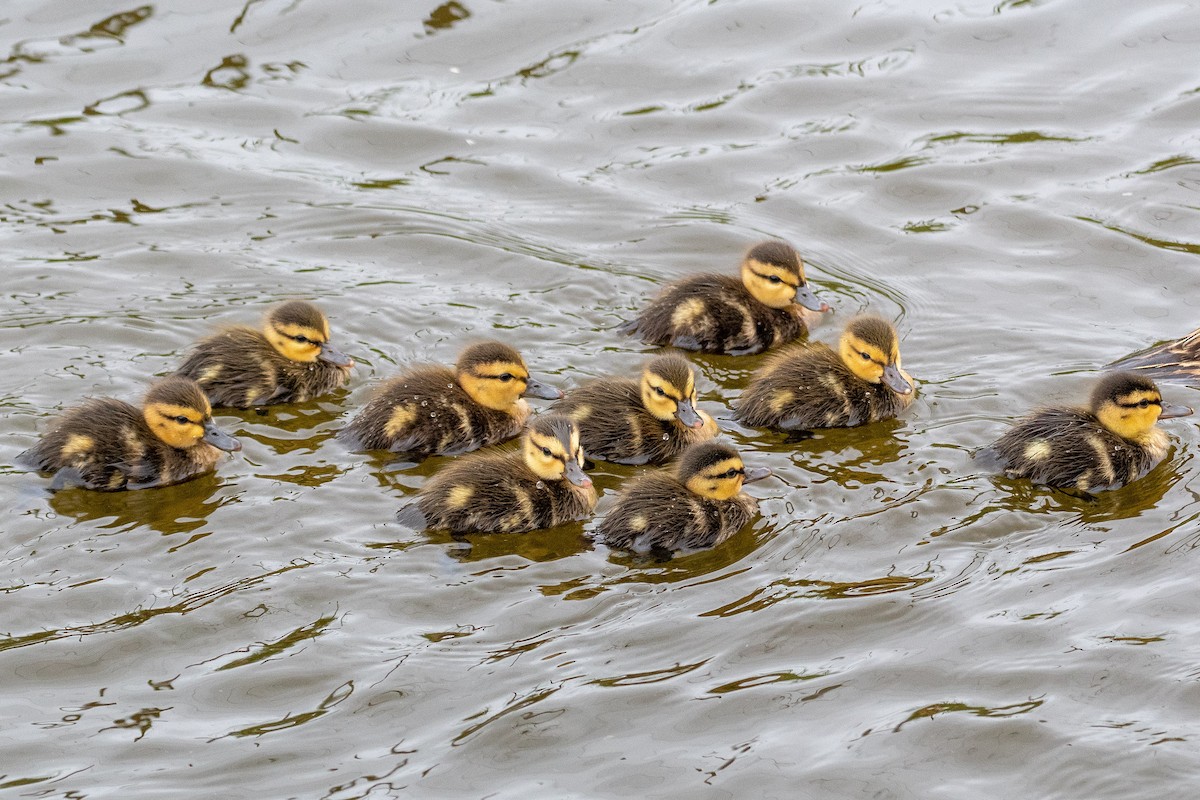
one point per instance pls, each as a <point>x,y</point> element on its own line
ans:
<point>666,436</point>
<point>424,403</point>
<point>540,485</point>
<point>433,414</point>
<point>449,385</point>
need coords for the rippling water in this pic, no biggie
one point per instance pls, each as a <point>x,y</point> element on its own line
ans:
<point>1014,182</point>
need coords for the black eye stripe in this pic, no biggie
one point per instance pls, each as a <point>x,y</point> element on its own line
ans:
<point>766,277</point>
<point>1139,402</point>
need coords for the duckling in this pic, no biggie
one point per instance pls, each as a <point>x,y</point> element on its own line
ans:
<point>289,361</point>
<point>738,316</point>
<point>1105,446</point>
<point>437,411</point>
<point>640,422</point>
<point>107,444</point>
<point>699,503</point>
<point>1177,361</point>
<point>810,386</point>
<point>540,486</point>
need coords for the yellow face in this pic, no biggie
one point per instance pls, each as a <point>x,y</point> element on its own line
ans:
<point>770,284</point>
<point>181,427</point>
<point>550,459</point>
<point>663,399</point>
<point>1131,415</point>
<point>720,481</point>
<point>873,364</point>
<point>294,342</point>
<point>497,384</point>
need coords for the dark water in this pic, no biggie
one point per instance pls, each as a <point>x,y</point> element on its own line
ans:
<point>1014,183</point>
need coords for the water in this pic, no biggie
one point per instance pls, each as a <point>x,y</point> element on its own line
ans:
<point>1014,183</point>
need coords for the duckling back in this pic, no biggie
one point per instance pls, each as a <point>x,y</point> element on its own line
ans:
<point>426,412</point>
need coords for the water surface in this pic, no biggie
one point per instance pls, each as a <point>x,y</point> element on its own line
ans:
<point>1014,183</point>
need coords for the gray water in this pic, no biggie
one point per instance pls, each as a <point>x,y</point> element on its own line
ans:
<point>1015,184</point>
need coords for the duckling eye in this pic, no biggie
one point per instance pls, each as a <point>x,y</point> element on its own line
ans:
<point>866,356</point>
<point>182,420</point>
<point>775,279</point>
<point>546,451</point>
<point>506,377</point>
<point>658,390</point>
<point>300,339</point>
<point>1144,404</point>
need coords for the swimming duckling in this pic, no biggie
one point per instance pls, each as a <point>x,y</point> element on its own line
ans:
<point>640,422</point>
<point>698,504</point>
<point>289,361</point>
<point>1105,446</point>
<point>810,386</point>
<point>437,411</point>
<point>107,444</point>
<point>738,316</point>
<point>539,486</point>
<point>1177,361</point>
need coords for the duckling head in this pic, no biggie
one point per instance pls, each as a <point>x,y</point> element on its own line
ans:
<point>774,274</point>
<point>177,411</point>
<point>715,471</point>
<point>299,332</point>
<point>669,390</point>
<point>552,450</point>
<point>1129,405</point>
<point>870,349</point>
<point>495,376</point>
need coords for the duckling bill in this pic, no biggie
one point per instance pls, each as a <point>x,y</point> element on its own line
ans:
<point>810,386</point>
<point>434,410</point>
<point>698,504</point>
<point>290,360</point>
<point>540,486</point>
<point>1112,442</point>
<point>646,421</point>
<point>722,314</point>
<point>109,445</point>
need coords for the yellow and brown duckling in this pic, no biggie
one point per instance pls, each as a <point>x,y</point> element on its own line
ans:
<point>811,386</point>
<point>539,486</point>
<point>289,361</point>
<point>736,315</point>
<point>646,421</point>
<point>1112,442</point>
<point>1177,361</point>
<point>433,410</point>
<point>108,444</point>
<point>699,503</point>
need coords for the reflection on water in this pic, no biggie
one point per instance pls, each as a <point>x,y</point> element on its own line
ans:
<point>1014,183</point>
<point>170,510</point>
